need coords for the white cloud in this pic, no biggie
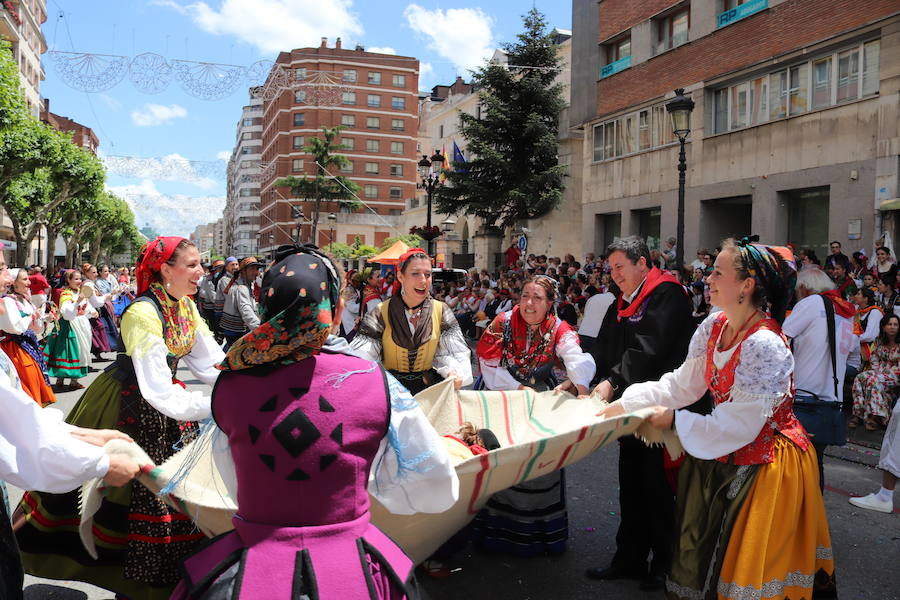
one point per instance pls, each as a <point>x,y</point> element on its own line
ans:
<point>426,76</point>
<point>461,35</point>
<point>110,102</point>
<point>157,114</point>
<point>175,214</point>
<point>275,25</point>
<point>381,50</point>
<point>224,155</point>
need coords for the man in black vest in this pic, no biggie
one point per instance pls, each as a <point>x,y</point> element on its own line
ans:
<point>644,335</point>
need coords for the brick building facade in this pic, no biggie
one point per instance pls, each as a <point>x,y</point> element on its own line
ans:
<point>378,108</point>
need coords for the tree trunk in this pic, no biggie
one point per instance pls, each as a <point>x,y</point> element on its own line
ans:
<point>96,247</point>
<point>52,232</point>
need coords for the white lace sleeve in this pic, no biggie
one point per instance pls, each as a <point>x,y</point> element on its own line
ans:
<point>412,471</point>
<point>580,366</point>
<point>205,354</point>
<point>683,386</point>
<point>762,380</point>
<point>367,341</point>
<point>453,354</point>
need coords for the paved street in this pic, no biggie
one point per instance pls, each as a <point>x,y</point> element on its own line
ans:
<point>867,544</point>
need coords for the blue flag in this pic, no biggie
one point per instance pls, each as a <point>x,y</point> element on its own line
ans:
<point>458,157</point>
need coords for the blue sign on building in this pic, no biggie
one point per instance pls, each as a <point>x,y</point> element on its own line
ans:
<point>615,66</point>
<point>739,12</point>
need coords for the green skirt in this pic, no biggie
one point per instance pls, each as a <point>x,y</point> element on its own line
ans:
<point>140,540</point>
<point>61,353</point>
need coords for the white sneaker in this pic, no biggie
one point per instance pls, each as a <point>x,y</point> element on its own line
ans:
<point>873,502</point>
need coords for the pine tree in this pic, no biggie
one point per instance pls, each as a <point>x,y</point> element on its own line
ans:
<point>513,171</point>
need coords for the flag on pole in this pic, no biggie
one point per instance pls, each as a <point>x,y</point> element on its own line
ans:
<point>445,165</point>
<point>458,158</point>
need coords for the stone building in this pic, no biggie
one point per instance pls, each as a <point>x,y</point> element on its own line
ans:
<point>376,103</point>
<point>20,24</point>
<point>794,135</point>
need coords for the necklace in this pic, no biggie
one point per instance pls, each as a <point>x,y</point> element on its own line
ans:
<point>723,347</point>
<point>414,312</point>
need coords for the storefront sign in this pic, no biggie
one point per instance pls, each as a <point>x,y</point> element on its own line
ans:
<point>739,12</point>
<point>614,67</point>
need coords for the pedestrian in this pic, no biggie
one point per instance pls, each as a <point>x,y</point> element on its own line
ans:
<point>594,312</point>
<point>867,320</point>
<point>101,301</point>
<point>884,263</point>
<point>846,286</point>
<point>221,282</point>
<point>144,539</point>
<point>415,337</point>
<point>644,336</point>
<point>68,347</point>
<point>836,255</point>
<point>518,351</point>
<point>240,313</point>
<point>19,322</point>
<point>876,388</point>
<point>309,534</point>
<point>207,293</point>
<point>888,297</point>
<point>751,518</point>
<point>820,357</point>
<point>39,287</point>
<point>368,283</point>
<point>889,463</point>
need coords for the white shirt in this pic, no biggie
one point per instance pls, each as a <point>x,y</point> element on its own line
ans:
<point>595,310</point>
<point>807,326</point>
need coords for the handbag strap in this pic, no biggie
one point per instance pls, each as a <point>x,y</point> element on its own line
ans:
<point>829,321</point>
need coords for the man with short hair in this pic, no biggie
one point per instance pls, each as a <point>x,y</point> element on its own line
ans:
<point>836,256</point>
<point>644,335</point>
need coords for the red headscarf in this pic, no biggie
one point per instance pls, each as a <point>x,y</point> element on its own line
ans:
<point>151,259</point>
<point>407,254</point>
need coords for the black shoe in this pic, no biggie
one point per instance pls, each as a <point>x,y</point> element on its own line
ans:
<point>652,583</point>
<point>615,572</point>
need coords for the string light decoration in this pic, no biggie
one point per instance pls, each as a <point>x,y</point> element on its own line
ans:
<point>89,72</point>
<point>167,168</point>
<point>153,73</point>
<point>150,73</point>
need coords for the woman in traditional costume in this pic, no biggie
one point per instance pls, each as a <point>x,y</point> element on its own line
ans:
<point>310,424</point>
<point>368,283</point>
<point>140,540</point>
<point>106,287</point>
<point>415,337</point>
<point>876,388</point>
<point>518,351</point>
<point>99,335</point>
<point>19,323</point>
<point>750,517</point>
<point>68,347</point>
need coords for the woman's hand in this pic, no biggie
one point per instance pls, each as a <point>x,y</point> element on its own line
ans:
<point>99,437</point>
<point>457,381</point>
<point>525,388</point>
<point>121,470</point>
<point>573,388</point>
<point>662,417</point>
<point>611,410</point>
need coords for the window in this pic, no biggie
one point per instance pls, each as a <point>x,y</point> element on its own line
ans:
<point>373,100</point>
<point>371,168</point>
<point>297,165</point>
<point>374,78</point>
<point>373,123</point>
<point>395,212</point>
<point>820,83</point>
<point>672,31</point>
<point>396,193</point>
<point>298,142</point>
<point>847,75</point>
<point>247,122</point>
<point>299,96</point>
<point>348,120</point>
<point>642,130</point>
<point>245,192</point>
<point>398,102</point>
<point>618,50</point>
<point>399,81</point>
<point>245,149</point>
<point>440,131</point>
<point>348,98</point>
<point>247,135</point>
<point>347,143</point>
<point>396,147</point>
<point>397,170</point>
<point>349,75</point>
<point>370,191</point>
<point>300,73</point>
<point>299,119</point>
<point>372,146</point>
<point>397,125</point>
<point>347,167</point>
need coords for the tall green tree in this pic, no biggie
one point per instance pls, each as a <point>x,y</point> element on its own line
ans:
<point>326,185</point>
<point>12,107</point>
<point>512,172</point>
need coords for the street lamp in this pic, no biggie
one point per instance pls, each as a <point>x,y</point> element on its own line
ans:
<point>448,224</point>
<point>680,108</point>
<point>430,181</point>
<point>272,245</point>
<point>297,215</point>
<point>332,219</point>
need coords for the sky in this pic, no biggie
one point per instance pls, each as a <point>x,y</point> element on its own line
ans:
<point>174,127</point>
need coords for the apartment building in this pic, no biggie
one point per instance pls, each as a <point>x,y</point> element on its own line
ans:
<point>794,134</point>
<point>376,105</point>
<point>20,24</point>
<point>242,214</point>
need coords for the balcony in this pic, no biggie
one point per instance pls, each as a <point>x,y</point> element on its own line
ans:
<point>367,218</point>
<point>9,25</point>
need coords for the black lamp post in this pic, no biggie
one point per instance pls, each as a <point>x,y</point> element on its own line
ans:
<point>430,182</point>
<point>680,109</point>
<point>272,246</point>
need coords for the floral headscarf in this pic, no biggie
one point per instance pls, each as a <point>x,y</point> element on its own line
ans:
<point>152,257</point>
<point>298,298</point>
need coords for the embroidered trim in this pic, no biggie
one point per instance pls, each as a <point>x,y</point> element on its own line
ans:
<point>683,591</point>
<point>743,472</point>
<point>768,590</point>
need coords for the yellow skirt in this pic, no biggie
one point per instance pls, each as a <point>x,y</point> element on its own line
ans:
<point>780,546</point>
